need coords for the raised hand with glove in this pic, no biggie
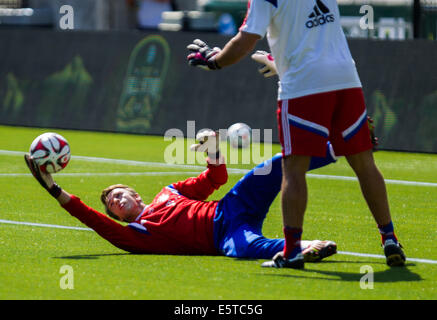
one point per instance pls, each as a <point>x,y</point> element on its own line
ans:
<point>373,137</point>
<point>46,181</point>
<point>202,55</point>
<point>208,142</point>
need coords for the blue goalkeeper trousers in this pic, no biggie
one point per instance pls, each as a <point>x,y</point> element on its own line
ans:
<point>240,214</point>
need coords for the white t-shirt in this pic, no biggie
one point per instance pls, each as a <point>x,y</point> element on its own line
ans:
<point>308,44</point>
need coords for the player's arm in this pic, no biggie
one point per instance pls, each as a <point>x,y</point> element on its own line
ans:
<point>214,58</point>
<point>120,236</point>
<point>202,186</point>
<point>237,48</point>
<point>255,25</point>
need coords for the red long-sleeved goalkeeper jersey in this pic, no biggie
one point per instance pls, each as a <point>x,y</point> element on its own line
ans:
<point>178,221</point>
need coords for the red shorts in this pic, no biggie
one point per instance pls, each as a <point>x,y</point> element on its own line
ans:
<point>307,123</point>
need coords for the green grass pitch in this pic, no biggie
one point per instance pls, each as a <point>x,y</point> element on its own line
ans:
<point>32,257</point>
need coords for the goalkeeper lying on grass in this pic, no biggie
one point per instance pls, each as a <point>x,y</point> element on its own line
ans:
<point>180,221</point>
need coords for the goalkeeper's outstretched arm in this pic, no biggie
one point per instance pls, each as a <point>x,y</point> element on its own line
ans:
<point>122,237</point>
<point>64,198</point>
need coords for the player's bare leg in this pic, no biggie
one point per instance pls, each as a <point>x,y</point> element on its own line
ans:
<point>374,191</point>
<point>294,198</point>
<point>294,195</point>
<point>372,185</point>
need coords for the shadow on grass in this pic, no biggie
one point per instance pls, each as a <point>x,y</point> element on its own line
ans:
<point>92,256</point>
<point>397,274</point>
<point>119,254</point>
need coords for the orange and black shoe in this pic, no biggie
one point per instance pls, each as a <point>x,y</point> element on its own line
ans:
<point>279,261</point>
<point>394,254</point>
<point>318,250</point>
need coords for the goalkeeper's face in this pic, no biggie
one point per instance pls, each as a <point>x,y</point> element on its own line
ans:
<point>124,204</point>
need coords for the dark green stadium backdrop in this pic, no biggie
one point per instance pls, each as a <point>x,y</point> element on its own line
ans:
<point>139,82</point>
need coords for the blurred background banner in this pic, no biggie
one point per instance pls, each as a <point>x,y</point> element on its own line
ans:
<point>139,82</point>
<point>119,71</point>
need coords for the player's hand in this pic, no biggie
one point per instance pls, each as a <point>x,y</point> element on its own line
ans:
<point>202,55</point>
<point>44,179</point>
<point>268,68</point>
<point>208,142</point>
<point>373,137</point>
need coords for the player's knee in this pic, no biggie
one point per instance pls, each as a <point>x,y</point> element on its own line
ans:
<point>294,172</point>
<point>362,162</point>
<point>296,164</point>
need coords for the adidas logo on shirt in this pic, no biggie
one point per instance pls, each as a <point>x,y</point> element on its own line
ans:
<point>320,15</point>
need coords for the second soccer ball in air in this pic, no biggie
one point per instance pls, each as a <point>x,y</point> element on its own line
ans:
<point>239,135</point>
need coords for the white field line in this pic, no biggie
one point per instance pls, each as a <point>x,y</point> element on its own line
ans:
<point>105,174</point>
<point>378,256</point>
<point>129,162</point>
<point>366,255</point>
<point>183,166</point>
<point>388,181</point>
<point>43,225</point>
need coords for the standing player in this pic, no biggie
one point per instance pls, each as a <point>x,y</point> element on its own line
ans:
<point>319,98</point>
<point>180,221</point>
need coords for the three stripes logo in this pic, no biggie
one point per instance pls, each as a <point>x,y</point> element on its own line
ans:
<point>319,16</point>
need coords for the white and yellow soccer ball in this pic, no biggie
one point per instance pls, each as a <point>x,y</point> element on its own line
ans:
<point>239,135</point>
<point>51,152</point>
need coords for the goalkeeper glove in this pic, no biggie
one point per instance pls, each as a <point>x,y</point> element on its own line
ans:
<point>209,142</point>
<point>266,59</point>
<point>202,55</point>
<point>44,179</point>
<point>373,137</point>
